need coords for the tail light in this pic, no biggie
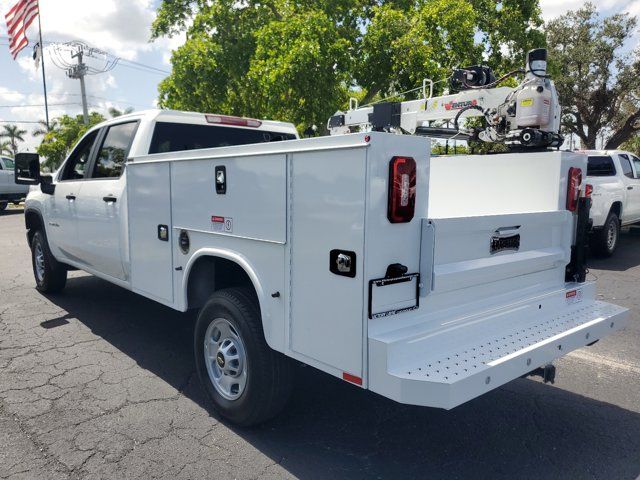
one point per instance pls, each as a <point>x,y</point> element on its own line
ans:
<point>573,189</point>
<point>402,189</point>
<point>588,190</point>
<point>237,121</point>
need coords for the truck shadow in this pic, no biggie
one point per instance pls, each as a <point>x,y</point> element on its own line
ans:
<point>333,429</point>
<point>626,257</point>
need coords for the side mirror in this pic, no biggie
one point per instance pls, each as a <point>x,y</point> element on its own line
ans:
<point>27,169</point>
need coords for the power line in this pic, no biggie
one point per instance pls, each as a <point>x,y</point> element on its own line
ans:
<point>39,105</point>
<point>119,60</point>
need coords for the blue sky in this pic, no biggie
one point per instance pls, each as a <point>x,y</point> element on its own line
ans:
<point>121,27</point>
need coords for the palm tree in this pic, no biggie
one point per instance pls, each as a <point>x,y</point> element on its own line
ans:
<point>115,112</point>
<point>15,134</point>
<point>4,148</point>
<point>43,128</point>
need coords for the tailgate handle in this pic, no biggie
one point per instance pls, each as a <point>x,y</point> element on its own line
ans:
<point>505,238</point>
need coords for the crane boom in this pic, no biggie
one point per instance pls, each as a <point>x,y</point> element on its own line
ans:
<point>524,116</point>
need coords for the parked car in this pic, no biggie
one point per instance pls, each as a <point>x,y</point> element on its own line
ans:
<point>615,178</point>
<point>10,191</point>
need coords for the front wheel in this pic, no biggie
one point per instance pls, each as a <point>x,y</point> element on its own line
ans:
<point>605,241</point>
<point>247,381</point>
<point>3,206</point>
<point>50,275</point>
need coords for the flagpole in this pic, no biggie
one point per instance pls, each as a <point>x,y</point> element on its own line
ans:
<point>44,80</point>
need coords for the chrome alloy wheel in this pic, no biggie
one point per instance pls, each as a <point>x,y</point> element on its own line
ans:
<point>225,357</point>
<point>612,236</point>
<point>39,261</point>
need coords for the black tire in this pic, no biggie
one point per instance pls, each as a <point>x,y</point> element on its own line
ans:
<point>605,240</point>
<point>3,206</point>
<point>269,375</point>
<point>53,276</point>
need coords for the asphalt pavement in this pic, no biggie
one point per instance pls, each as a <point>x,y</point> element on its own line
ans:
<point>97,382</point>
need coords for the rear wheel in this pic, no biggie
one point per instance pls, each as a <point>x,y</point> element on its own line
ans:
<point>3,205</point>
<point>50,275</point>
<point>247,381</point>
<point>605,240</point>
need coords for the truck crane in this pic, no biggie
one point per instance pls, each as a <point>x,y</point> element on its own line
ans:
<point>522,117</point>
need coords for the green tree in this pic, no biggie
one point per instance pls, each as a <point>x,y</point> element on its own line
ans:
<point>598,85</point>
<point>116,112</point>
<point>5,148</point>
<point>14,134</point>
<point>632,145</point>
<point>42,129</point>
<point>301,60</point>
<point>57,143</point>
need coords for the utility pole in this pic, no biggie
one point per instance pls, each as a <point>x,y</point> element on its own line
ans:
<point>63,56</point>
<point>78,72</point>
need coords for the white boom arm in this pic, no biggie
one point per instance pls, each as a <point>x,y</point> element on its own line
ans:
<point>526,116</point>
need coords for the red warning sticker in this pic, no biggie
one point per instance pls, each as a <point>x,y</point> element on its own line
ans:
<point>221,224</point>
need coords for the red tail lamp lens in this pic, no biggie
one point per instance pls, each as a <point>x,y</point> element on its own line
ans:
<point>588,190</point>
<point>402,189</point>
<point>573,189</point>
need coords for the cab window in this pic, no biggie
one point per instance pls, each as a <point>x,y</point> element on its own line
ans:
<point>636,164</point>
<point>114,150</point>
<point>625,163</point>
<point>76,164</point>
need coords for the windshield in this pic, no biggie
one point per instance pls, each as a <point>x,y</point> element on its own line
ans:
<point>8,163</point>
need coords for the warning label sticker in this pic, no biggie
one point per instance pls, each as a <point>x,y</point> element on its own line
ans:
<point>221,224</point>
<point>574,296</point>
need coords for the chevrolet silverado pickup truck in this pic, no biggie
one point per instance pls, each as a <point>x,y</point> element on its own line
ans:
<point>10,191</point>
<point>614,176</point>
<point>429,281</point>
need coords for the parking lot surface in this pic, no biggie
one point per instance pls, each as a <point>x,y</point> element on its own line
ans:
<point>97,382</point>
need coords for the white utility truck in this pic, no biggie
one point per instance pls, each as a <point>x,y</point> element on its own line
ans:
<point>614,177</point>
<point>428,282</point>
<point>10,191</point>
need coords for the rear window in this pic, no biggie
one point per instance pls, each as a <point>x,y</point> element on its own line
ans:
<point>174,137</point>
<point>600,166</point>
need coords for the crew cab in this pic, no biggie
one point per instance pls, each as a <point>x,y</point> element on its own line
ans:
<point>615,178</point>
<point>10,191</point>
<point>356,254</point>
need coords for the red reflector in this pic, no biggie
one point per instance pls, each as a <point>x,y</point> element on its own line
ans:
<point>573,189</point>
<point>571,293</point>
<point>402,189</point>
<point>237,121</point>
<point>351,378</point>
<point>217,219</point>
<point>588,190</point>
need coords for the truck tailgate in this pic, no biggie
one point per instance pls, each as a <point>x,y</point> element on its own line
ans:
<point>475,251</point>
<point>468,355</point>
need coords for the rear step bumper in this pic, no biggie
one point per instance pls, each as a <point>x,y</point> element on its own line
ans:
<point>448,367</point>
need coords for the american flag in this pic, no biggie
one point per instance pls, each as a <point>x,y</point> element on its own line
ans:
<point>21,15</point>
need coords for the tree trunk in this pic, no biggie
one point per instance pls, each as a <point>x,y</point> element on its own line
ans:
<point>624,133</point>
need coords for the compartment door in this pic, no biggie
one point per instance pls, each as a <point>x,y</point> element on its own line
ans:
<point>327,202</point>
<point>149,201</point>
